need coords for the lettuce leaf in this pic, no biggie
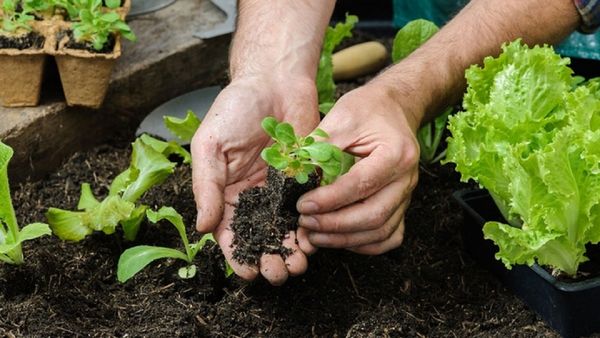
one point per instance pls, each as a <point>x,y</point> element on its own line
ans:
<point>531,136</point>
<point>333,37</point>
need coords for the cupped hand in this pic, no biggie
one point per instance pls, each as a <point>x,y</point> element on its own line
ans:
<point>226,160</point>
<point>363,210</point>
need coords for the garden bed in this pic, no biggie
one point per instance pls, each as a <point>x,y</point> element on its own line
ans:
<point>426,288</point>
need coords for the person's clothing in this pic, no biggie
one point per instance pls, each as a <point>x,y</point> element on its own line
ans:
<point>590,14</point>
<point>579,45</point>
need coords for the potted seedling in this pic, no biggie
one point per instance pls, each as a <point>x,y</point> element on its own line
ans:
<point>529,135</point>
<point>264,215</point>
<point>22,56</point>
<point>88,49</point>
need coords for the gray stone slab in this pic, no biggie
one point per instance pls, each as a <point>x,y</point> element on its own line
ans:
<point>165,62</point>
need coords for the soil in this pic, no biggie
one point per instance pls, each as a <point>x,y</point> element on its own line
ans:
<point>26,41</point>
<point>72,44</point>
<point>265,215</point>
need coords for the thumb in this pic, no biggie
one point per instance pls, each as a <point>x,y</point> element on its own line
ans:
<point>208,184</point>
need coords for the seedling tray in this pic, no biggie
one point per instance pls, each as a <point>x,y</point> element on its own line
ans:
<point>571,308</point>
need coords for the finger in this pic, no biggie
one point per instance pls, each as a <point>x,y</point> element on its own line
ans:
<point>369,214</point>
<point>272,267</point>
<point>304,243</point>
<point>224,236</point>
<point>382,247</point>
<point>296,262</point>
<point>354,239</point>
<point>209,175</point>
<point>364,179</point>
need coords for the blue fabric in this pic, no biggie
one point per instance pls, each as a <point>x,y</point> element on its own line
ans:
<point>586,46</point>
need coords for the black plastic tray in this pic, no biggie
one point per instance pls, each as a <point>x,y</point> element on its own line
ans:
<point>571,308</point>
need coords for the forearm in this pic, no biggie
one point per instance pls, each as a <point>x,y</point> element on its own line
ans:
<point>282,37</point>
<point>433,76</point>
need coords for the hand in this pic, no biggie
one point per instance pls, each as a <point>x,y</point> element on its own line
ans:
<point>364,209</point>
<point>226,160</point>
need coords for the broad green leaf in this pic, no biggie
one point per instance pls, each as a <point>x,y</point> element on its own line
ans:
<point>320,151</point>
<point>113,3</point>
<point>69,225</point>
<point>169,214</point>
<point>133,260</point>
<point>301,177</point>
<point>284,133</point>
<point>167,148</point>
<point>269,124</point>
<point>185,128</point>
<point>411,37</point>
<point>148,168</point>
<point>87,200</point>
<point>32,231</point>
<point>7,213</point>
<point>274,158</point>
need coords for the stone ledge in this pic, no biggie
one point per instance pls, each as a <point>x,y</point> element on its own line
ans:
<point>165,62</point>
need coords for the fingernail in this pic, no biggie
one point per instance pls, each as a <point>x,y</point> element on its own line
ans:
<point>312,237</point>
<point>309,222</point>
<point>308,207</point>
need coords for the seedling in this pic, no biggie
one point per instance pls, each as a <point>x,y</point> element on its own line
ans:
<point>14,22</point>
<point>96,26</point>
<point>299,157</point>
<point>39,7</point>
<point>150,166</point>
<point>11,237</point>
<point>185,128</point>
<point>133,260</point>
<point>407,40</point>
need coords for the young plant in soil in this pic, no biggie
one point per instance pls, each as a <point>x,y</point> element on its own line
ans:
<point>150,166</point>
<point>96,27</point>
<point>134,259</point>
<point>11,237</point>
<point>16,30</point>
<point>264,216</point>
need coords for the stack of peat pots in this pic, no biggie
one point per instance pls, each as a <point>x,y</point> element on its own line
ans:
<point>84,73</point>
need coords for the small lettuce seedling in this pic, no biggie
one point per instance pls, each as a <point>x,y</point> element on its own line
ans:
<point>133,260</point>
<point>333,37</point>
<point>407,40</point>
<point>299,157</point>
<point>96,25</point>
<point>13,21</point>
<point>11,237</point>
<point>184,128</point>
<point>150,166</point>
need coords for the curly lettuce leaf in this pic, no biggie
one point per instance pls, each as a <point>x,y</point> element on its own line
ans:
<point>333,37</point>
<point>184,128</point>
<point>532,139</point>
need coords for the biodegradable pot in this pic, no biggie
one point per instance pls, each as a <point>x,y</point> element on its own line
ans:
<point>85,76</point>
<point>571,308</point>
<point>21,73</point>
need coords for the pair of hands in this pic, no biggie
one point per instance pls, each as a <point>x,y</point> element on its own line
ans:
<point>363,211</point>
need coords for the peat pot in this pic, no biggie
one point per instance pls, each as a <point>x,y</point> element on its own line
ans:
<point>571,308</point>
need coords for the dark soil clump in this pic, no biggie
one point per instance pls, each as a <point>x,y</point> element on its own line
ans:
<point>264,216</point>
<point>26,41</point>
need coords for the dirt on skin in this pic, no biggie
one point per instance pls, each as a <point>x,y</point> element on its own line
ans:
<point>26,41</point>
<point>265,215</point>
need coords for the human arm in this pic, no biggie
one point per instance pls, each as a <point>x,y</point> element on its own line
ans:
<point>364,210</point>
<point>273,64</point>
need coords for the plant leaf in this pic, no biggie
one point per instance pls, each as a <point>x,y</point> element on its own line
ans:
<point>185,128</point>
<point>411,37</point>
<point>133,260</point>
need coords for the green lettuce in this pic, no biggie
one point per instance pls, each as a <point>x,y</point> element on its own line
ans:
<point>333,37</point>
<point>531,136</point>
<point>149,166</point>
<point>11,237</point>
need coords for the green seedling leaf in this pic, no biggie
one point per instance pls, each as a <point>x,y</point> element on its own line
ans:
<point>320,133</point>
<point>69,225</point>
<point>113,3</point>
<point>411,37</point>
<point>133,260</point>
<point>320,151</point>
<point>131,225</point>
<point>87,200</point>
<point>269,124</point>
<point>167,148</point>
<point>274,158</point>
<point>285,135</point>
<point>185,128</point>
<point>187,272</point>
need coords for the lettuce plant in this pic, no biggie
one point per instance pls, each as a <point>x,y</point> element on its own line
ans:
<point>96,26</point>
<point>531,136</point>
<point>407,40</point>
<point>11,237</point>
<point>134,259</point>
<point>13,21</point>
<point>299,157</point>
<point>150,166</point>
<point>333,37</point>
